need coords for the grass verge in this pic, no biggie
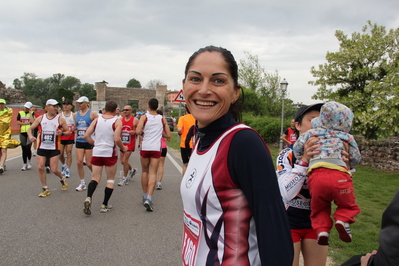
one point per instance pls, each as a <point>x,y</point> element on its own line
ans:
<point>374,190</point>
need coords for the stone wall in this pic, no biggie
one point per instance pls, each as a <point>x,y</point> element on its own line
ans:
<point>12,95</point>
<point>379,154</point>
<point>122,95</point>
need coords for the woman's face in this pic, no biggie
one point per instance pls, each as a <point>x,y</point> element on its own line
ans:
<point>209,88</point>
<point>306,121</point>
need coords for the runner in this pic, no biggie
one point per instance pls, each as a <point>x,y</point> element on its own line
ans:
<point>129,124</point>
<point>67,141</point>
<point>84,150</point>
<point>6,142</point>
<point>107,129</point>
<point>51,127</point>
<point>151,126</point>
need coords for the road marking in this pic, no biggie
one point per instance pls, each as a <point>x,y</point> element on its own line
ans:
<point>15,157</point>
<point>178,167</point>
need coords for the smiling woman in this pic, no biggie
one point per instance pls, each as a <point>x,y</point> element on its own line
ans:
<point>233,213</point>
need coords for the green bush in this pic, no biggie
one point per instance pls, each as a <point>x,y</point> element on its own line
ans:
<point>268,127</point>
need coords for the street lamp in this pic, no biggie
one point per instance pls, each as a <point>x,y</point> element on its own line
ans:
<point>283,87</point>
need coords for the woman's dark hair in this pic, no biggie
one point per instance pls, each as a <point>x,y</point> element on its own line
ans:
<point>235,108</point>
<point>159,112</point>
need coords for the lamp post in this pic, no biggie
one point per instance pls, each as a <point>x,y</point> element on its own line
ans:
<point>283,87</point>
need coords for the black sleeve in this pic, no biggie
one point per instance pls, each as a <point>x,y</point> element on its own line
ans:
<point>286,132</point>
<point>388,252</point>
<point>252,170</point>
<point>19,117</point>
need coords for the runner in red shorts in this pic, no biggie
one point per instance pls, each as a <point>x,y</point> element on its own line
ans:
<point>151,126</point>
<point>107,128</point>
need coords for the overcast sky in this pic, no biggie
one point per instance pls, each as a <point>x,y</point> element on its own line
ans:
<point>119,40</point>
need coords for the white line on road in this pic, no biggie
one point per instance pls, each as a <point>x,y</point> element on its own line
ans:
<point>174,163</point>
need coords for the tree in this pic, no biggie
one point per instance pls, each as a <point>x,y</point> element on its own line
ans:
<point>152,84</point>
<point>266,86</point>
<point>87,90</point>
<point>363,75</point>
<point>253,103</point>
<point>133,83</point>
<point>71,83</point>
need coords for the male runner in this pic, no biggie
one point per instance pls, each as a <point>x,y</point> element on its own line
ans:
<point>84,150</point>
<point>151,126</point>
<point>67,141</point>
<point>52,126</point>
<point>129,124</point>
<point>107,129</point>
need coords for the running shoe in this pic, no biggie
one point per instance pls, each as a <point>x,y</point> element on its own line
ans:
<point>105,209</point>
<point>23,167</point>
<point>122,182</point>
<point>63,168</point>
<point>48,169</point>
<point>143,199</point>
<point>1,169</point>
<point>344,231</point>
<point>81,187</point>
<point>44,193</point>
<point>29,165</point>
<point>64,184</point>
<point>323,238</point>
<point>34,153</point>
<point>67,175</point>
<point>86,206</point>
<point>148,205</point>
<point>132,173</point>
<point>159,186</point>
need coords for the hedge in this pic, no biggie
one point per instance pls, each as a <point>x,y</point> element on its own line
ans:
<point>268,127</point>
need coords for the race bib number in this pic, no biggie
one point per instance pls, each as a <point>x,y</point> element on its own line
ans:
<point>25,119</point>
<point>80,132</point>
<point>48,137</point>
<point>191,238</point>
<point>125,137</point>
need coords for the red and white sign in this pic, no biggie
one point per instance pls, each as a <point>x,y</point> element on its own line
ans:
<point>180,97</point>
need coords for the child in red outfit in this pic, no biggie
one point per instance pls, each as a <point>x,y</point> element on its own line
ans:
<point>329,179</point>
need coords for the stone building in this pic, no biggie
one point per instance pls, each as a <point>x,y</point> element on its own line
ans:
<point>136,97</point>
<point>11,95</point>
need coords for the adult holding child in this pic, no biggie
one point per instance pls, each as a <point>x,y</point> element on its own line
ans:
<point>294,190</point>
<point>233,213</point>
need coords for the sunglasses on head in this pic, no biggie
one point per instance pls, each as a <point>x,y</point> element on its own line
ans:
<point>126,109</point>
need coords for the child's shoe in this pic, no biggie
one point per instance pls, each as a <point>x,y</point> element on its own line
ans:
<point>344,231</point>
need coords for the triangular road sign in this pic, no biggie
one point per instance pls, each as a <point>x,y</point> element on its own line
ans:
<point>180,97</point>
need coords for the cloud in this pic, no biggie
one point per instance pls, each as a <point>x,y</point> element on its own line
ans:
<point>119,40</point>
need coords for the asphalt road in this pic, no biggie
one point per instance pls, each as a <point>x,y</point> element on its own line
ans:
<point>55,231</point>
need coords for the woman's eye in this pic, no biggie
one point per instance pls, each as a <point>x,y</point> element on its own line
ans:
<point>219,81</point>
<point>194,79</point>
